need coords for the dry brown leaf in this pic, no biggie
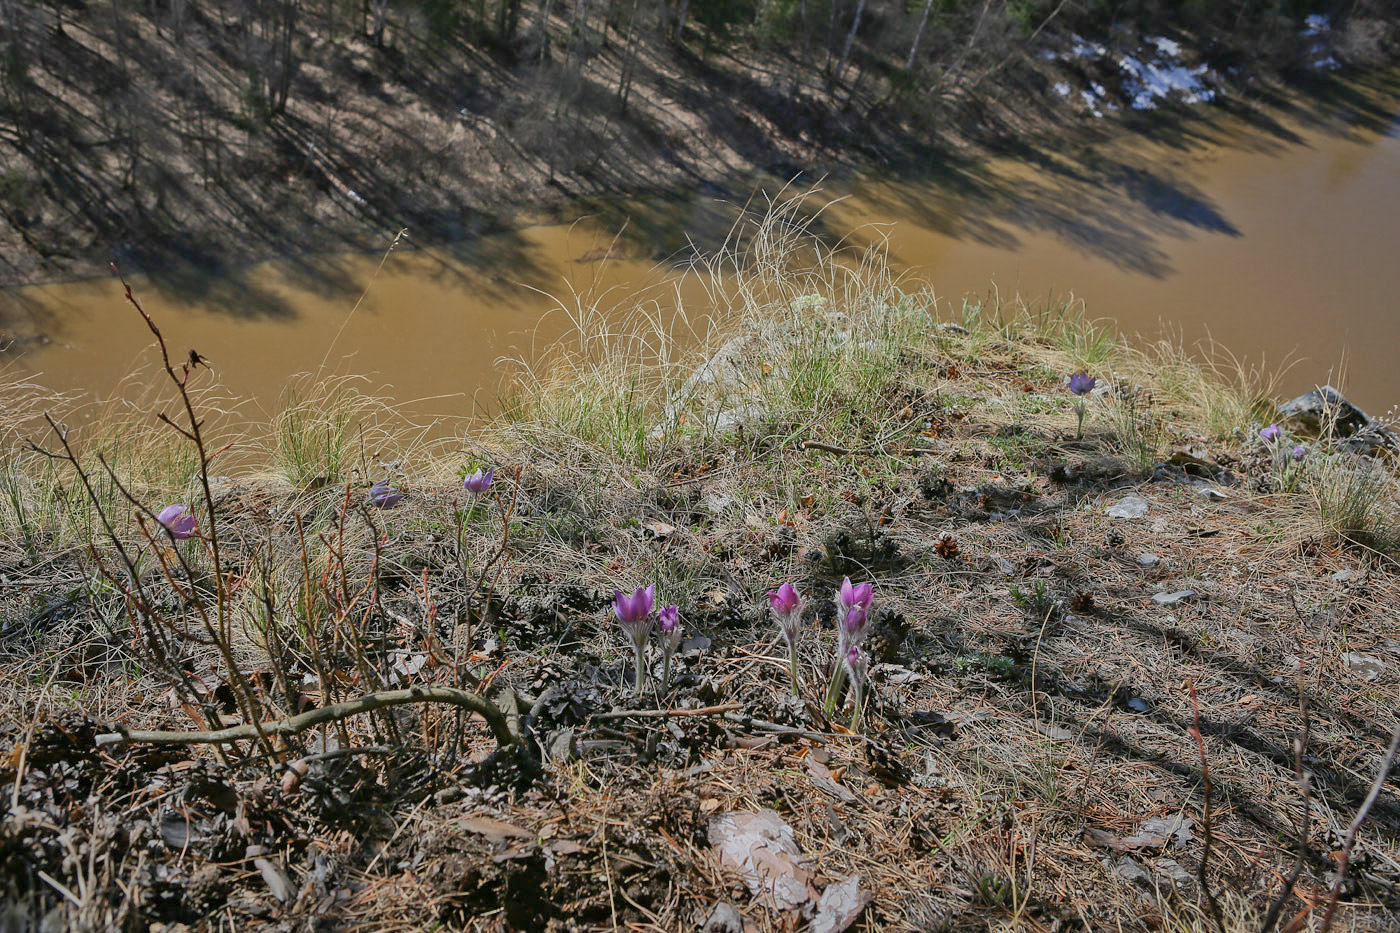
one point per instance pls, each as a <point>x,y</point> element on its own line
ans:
<point>841,903</point>
<point>763,849</point>
<point>495,830</point>
<point>824,779</point>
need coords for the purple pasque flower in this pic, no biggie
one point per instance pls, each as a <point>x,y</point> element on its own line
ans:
<point>786,605</point>
<point>178,520</point>
<point>854,625</point>
<point>634,615</point>
<point>1270,434</point>
<point>852,620</point>
<point>478,482</point>
<point>857,665</point>
<point>634,612</point>
<point>1299,452</point>
<point>852,596</point>
<point>1081,383</point>
<point>384,496</point>
<point>853,612</point>
<point>668,625</point>
<point>668,632</point>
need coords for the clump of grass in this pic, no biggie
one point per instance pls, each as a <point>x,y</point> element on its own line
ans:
<point>326,427</point>
<point>603,384</point>
<point>793,331</point>
<point>1138,433</point>
<point>39,503</point>
<point>1224,394</point>
<point>1089,344</point>
<point>1355,499</point>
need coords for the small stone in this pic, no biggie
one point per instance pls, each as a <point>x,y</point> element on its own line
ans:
<point>1171,599</point>
<point>718,503</point>
<point>725,918</point>
<point>1211,494</point>
<point>562,746</point>
<point>1343,576</point>
<point>1171,870</point>
<point>1368,667</point>
<point>1138,705</point>
<point>1131,507</point>
<point>1006,567</point>
<point>1129,870</point>
<point>1148,560</point>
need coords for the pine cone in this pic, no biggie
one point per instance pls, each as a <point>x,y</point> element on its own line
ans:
<point>947,547</point>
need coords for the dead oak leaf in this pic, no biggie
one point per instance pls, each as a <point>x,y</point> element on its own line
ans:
<point>763,849</point>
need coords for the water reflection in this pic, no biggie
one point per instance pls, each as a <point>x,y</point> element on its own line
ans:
<point>1271,229</point>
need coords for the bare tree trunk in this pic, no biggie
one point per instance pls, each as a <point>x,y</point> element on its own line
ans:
<point>850,41</point>
<point>543,38</point>
<point>629,54</point>
<point>681,17</point>
<point>918,34</point>
<point>380,9</point>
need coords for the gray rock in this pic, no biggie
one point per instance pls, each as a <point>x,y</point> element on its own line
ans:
<point>1171,599</point>
<point>1129,870</point>
<point>1171,870</point>
<point>1148,560</point>
<point>725,918</point>
<point>1363,664</point>
<point>1131,507</point>
<point>1211,494</point>
<point>1343,576</point>
<point>1326,411</point>
<point>718,503</point>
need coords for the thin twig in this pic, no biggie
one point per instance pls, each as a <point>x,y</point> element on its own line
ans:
<point>1355,825</point>
<point>495,718</point>
<point>866,451</point>
<point>1201,874</point>
<point>1300,746</point>
<point>668,713</point>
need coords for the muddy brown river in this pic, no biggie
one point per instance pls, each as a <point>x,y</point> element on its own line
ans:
<point>1274,236</point>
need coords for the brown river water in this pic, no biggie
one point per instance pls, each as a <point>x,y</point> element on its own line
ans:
<point>1274,235</point>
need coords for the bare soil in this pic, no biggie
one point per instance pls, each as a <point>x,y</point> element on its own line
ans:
<point>1027,759</point>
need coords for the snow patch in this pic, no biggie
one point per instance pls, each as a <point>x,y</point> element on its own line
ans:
<point>1091,98</point>
<point>1062,88</point>
<point>1155,73</point>
<point>1327,63</point>
<point>1083,48</point>
<point>1150,82</point>
<point>1316,24</point>
<point>1168,47</point>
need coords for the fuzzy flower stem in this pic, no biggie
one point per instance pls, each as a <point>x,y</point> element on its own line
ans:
<point>638,651</point>
<point>792,665</point>
<point>833,690</point>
